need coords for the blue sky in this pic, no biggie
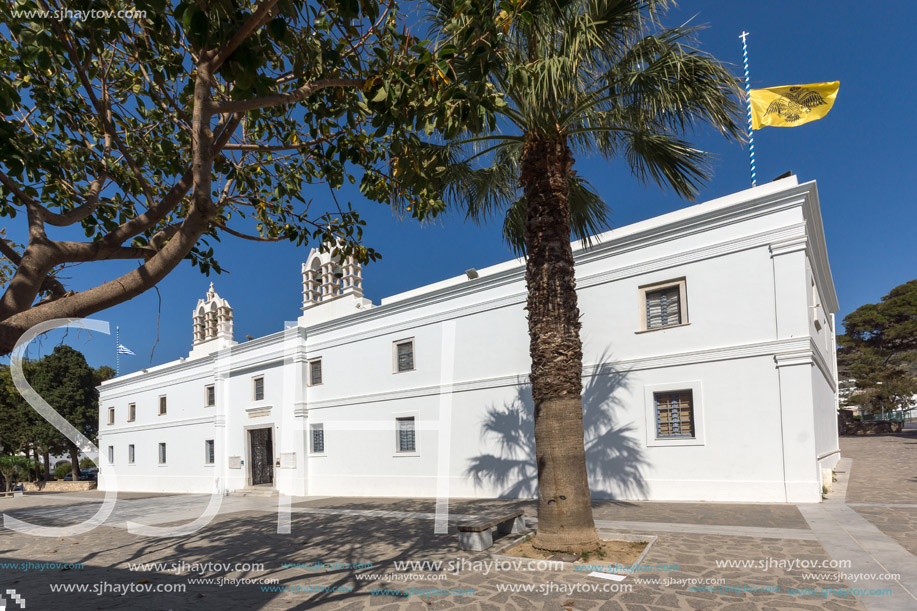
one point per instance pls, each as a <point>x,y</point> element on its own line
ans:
<point>861,154</point>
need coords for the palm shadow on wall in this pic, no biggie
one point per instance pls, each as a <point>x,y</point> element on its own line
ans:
<point>615,458</point>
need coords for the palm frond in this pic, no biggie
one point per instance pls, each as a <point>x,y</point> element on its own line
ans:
<point>606,76</point>
<point>668,161</point>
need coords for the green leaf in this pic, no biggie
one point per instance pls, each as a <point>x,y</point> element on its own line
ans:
<point>278,29</point>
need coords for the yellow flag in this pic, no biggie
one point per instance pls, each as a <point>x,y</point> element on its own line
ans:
<point>791,105</point>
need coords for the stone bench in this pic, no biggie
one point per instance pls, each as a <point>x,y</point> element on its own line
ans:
<point>13,494</point>
<point>477,535</point>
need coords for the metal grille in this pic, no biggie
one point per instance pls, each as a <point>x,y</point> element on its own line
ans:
<point>663,308</point>
<point>208,451</point>
<point>315,372</point>
<point>406,356</point>
<point>318,439</point>
<point>262,456</point>
<point>162,453</point>
<point>259,389</point>
<point>406,438</point>
<point>162,405</point>
<point>674,414</point>
<point>130,454</point>
<point>211,396</point>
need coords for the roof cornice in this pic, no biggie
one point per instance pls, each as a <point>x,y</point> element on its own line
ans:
<point>645,234</point>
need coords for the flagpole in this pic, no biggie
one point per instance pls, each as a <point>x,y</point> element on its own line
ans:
<point>751,133</point>
<point>117,351</point>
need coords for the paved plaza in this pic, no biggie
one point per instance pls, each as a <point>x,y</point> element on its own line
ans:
<point>347,553</point>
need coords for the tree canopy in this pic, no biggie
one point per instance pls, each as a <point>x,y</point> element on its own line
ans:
<point>148,130</point>
<point>65,380</point>
<point>609,78</point>
<point>879,350</point>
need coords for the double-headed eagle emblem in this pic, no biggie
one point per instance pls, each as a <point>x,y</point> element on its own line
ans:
<point>795,104</point>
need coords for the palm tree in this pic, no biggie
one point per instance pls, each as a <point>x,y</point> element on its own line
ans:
<point>580,78</point>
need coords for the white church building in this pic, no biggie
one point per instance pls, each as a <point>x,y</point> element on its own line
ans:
<point>709,375</point>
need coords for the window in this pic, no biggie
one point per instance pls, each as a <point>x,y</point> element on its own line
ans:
<point>111,455</point>
<point>404,355</point>
<point>315,372</point>
<point>318,439</point>
<point>406,439</point>
<point>131,412</point>
<point>258,388</point>
<point>130,454</point>
<point>162,454</point>
<point>162,405</point>
<point>208,452</point>
<point>111,415</point>
<point>210,396</point>
<point>674,414</point>
<point>663,305</point>
<point>816,304</point>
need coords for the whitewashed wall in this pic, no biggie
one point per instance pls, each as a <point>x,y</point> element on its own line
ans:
<point>761,374</point>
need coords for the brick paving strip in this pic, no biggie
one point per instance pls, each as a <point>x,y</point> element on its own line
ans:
<point>706,529</point>
<point>890,505</point>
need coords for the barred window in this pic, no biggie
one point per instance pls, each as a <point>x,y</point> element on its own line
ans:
<point>131,412</point>
<point>674,414</point>
<point>111,415</point>
<point>208,451</point>
<point>111,455</point>
<point>258,388</point>
<point>315,372</point>
<point>130,454</point>
<point>162,405</point>
<point>406,438</point>
<point>162,454</point>
<point>404,354</point>
<point>210,395</point>
<point>318,439</point>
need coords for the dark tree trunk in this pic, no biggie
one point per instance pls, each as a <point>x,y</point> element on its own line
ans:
<point>75,462</point>
<point>47,459</point>
<point>39,472</point>
<point>565,520</point>
<point>27,452</point>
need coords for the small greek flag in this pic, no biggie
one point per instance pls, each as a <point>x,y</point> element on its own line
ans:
<point>122,349</point>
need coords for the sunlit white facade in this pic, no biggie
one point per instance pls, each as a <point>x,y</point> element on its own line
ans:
<point>709,375</point>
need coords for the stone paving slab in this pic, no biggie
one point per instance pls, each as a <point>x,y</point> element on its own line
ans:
<point>250,537</point>
<point>884,468</point>
<point>899,523</point>
<point>342,552</point>
<point>760,515</point>
<point>883,483</point>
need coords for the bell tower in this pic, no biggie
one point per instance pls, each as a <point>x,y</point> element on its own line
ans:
<point>327,279</point>
<point>212,324</point>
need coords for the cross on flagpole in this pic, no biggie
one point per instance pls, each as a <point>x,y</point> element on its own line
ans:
<point>751,133</point>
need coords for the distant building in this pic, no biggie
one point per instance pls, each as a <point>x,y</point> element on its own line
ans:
<point>709,374</point>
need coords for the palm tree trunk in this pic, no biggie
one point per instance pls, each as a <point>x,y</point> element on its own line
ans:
<point>564,510</point>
